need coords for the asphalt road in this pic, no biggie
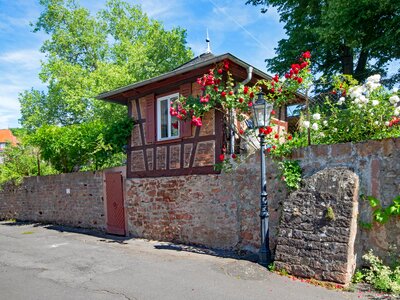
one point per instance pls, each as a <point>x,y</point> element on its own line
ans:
<point>52,262</point>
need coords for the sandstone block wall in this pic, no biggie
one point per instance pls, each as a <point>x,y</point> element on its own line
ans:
<point>74,199</point>
<point>318,227</point>
<point>219,211</point>
<point>214,210</point>
<point>377,163</point>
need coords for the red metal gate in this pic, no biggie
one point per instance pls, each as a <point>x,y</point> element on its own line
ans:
<point>115,203</point>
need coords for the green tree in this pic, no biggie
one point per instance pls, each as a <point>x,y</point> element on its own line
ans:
<point>349,37</point>
<point>20,161</point>
<point>87,55</point>
<point>91,145</point>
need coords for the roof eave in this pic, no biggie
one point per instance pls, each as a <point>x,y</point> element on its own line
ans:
<point>104,96</point>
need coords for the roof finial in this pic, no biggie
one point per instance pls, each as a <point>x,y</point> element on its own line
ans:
<point>208,43</point>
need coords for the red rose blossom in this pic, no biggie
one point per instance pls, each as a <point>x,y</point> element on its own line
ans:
<point>273,112</point>
<point>245,90</point>
<point>220,71</point>
<point>233,155</point>
<point>223,94</point>
<point>222,157</point>
<point>307,55</point>
<point>289,137</point>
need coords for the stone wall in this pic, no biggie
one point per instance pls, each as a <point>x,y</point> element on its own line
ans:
<point>218,211</point>
<point>222,210</point>
<point>214,210</point>
<point>377,163</point>
<point>74,199</point>
<point>318,227</point>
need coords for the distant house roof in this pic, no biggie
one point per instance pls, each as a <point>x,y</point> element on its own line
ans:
<point>7,136</point>
<point>198,62</point>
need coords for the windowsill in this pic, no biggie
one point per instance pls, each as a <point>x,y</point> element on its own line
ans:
<point>166,141</point>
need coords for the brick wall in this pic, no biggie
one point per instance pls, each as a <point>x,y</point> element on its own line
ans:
<point>74,199</point>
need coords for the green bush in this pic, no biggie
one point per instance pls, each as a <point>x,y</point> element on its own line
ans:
<point>382,277</point>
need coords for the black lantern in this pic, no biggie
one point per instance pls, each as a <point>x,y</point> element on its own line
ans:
<point>261,118</point>
<point>261,111</point>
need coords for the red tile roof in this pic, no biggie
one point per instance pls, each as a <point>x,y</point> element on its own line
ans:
<point>7,136</point>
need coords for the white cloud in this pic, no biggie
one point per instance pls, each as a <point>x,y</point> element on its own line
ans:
<point>28,59</point>
<point>170,9</point>
<point>9,114</point>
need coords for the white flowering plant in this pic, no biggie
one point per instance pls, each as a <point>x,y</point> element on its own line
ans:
<point>363,112</point>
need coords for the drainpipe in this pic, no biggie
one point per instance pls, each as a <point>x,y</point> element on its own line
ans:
<point>232,113</point>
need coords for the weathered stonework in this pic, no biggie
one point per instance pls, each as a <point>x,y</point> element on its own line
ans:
<point>187,155</point>
<point>205,154</point>
<point>137,161</point>
<point>377,163</point>
<point>74,199</point>
<point>161,158</point>
<point>214,210</point>
<point>175,157</point>
<point>150,158</point>
<point>318,227</point>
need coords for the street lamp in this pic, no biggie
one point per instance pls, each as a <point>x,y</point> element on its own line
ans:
<point>261,117</point>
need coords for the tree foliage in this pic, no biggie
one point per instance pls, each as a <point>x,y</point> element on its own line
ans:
<point>88,146</point>
<point>87,55</point>
<point>351,37</point>
<point>20,161</point>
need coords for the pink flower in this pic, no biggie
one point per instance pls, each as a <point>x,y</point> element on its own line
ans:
<point>173,112</point>
<point>196,121</point>
<point>205,99</point>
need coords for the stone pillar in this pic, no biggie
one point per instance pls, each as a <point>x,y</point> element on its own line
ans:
<point>318,227</point>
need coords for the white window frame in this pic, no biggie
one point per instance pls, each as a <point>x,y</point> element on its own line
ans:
<point>168,99</point>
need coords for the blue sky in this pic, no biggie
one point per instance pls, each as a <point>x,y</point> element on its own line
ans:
<point>233,27</point>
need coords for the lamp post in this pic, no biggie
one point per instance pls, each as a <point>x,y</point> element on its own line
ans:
<point>261,117</point>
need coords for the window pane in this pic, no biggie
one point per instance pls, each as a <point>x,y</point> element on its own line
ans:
<point>164,118</point>
<point>174,122</point>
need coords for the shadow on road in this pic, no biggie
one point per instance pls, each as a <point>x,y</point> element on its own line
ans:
<point>103,237</point>
<point>207,251</point>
